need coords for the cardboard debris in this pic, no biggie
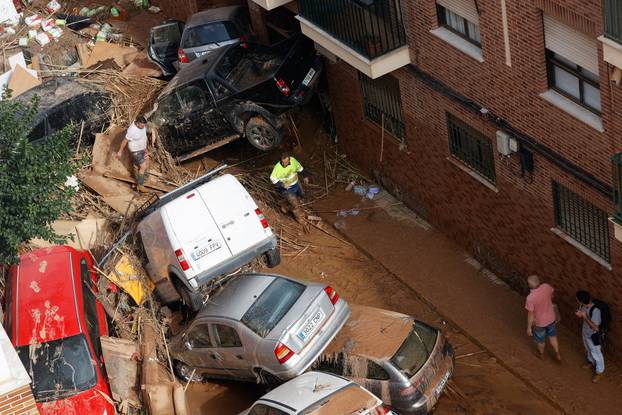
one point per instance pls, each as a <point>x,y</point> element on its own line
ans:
<point>7,10</point>
<point>132,281</point>
<point>351,400</point>
<point>123,369</point>
<point>83,53</point>
<point>84,233</point>
<point>104,51</point>
<point>156,382</point>
<point>22,81</point>
<point>150,182</point>
<point>17,59</point>
<point>104,150</point>
<point>123,204</point>
<point>142,66</point>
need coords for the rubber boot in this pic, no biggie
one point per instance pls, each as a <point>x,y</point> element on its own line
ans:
<point>141,184</point>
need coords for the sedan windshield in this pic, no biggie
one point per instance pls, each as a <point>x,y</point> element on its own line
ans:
<point>208,34</point>
<point>272,305</point>
<point>59,368</point>
<point>416,349</point>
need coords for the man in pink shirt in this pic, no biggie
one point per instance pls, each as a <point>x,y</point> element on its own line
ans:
<point>541,316</point>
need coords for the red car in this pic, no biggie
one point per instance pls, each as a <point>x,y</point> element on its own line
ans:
<point>55,323</point>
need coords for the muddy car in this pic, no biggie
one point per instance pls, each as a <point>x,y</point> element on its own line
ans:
<point>403,361</point>
<point>64,101</point>
<point>55,322</point>
<point>304,396</point>
<point>260,327</point>
<point>235,92</point>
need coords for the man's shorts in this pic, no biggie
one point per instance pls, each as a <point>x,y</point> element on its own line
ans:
<point>540,332</point>
<point>138,157</point>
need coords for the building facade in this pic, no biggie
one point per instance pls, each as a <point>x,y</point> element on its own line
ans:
<point>500,126</point>
<point>16,397</point>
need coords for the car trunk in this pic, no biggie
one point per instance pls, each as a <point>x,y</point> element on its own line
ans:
<point>297,66</point>
<point>163,45</point>
<point>312,317</point>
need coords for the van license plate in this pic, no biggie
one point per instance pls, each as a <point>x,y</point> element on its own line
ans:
<point>309,77</point>
<point>312,323</point>
<point>200,253</point>
<point>439,388</point>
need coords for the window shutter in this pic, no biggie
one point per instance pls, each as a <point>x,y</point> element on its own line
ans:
<point>465,8</point>
<point>571,44</point>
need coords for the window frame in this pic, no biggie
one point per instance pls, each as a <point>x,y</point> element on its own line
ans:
<point>374,91</point>
<point>552,62</point>
<point>215,335</point>
<point>207,331</point>
<point>576,225</point>
<point>89,306</point>
<point>442,21</point>
<point>482,142</point>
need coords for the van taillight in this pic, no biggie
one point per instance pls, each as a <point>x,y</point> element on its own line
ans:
<point>182,56</point>
<point>243,43</point>
<point>283,87</point>
<point>261,218</point>
<point>182,260</point>
<point>332,294</point>
<point>282,353</point>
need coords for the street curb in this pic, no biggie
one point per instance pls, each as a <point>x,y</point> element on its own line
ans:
<point>427,302</point>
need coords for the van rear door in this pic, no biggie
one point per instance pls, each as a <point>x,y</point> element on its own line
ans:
<point>197,234</point>
<point>234,214</point>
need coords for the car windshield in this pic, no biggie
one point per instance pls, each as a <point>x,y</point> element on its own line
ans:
<point>416,349</point>
<point>272,305</point>
<point>243,68</point>
<point>209,33</point>
<point>166,33</point>
<point>59,368</point>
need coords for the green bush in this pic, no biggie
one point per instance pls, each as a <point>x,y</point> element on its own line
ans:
<point>32,177</point>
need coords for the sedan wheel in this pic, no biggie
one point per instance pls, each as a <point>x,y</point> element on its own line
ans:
<point>185,372</point>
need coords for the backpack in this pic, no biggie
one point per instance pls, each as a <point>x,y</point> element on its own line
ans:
<point>605,315</point>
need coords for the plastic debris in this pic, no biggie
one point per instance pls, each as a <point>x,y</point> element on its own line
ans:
<point>43,38</point>
<point>360,190</point>
<point>23,41</point>
<point>53,6</point>
<point>33,21</point>
<point>72,181</point>
<point>125,276</point>
<point>348,212</point>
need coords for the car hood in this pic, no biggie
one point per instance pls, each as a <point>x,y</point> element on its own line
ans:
<point>90,402</point>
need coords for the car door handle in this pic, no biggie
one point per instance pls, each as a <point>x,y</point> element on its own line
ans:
<point>215,356</point>
<point>224,225</point>
<point>239,357</point>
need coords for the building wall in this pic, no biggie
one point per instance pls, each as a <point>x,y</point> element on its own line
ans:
<point>507,228</point>
<point>18,402</point>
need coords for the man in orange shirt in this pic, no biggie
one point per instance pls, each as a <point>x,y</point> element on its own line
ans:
<point>541,316</point>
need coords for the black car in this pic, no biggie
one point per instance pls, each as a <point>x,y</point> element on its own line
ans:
<point>64,101</point>
<point>236,91</point>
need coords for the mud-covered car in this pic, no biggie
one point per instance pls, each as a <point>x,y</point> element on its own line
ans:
<point>262,327</point>
<point>64,101</point>
<point>237,91</point>
<point>405,362</point>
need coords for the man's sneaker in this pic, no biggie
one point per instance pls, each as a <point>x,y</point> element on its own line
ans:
<point>538,354</point>
<point>587,366</point>
<point>596,377</point>
<point>558,358</point>
<point>142,189</point>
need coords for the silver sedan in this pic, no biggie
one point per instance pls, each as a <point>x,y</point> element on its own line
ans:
<point>262,327</point>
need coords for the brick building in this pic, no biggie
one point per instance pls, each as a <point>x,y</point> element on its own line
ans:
<point>15,394</point>
<point>499,121</point>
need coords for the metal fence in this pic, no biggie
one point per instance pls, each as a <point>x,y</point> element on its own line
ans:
<point>370,27</point>
<point>581,220</point>
<point>471,147</point>
<point>381,99</point>
<point>612,18</point>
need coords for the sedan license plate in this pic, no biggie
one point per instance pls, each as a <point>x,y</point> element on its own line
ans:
<point>311,325</point>
<point>309,77</point>
<point>439,388</point>
<point>200,253</point>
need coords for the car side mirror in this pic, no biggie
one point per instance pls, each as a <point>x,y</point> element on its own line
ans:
<point>188,345</point>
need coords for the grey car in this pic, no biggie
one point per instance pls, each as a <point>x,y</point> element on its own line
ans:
<point>262,327</point>
<point>211,29</point>
<point>317,393</point>
<point>404,361</point>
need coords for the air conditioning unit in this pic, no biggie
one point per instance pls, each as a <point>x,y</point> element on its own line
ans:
<point>506,145</point>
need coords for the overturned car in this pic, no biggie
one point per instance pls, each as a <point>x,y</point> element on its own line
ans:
<point>237,91</point>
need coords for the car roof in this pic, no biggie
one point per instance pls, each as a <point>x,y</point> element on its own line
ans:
<point>58,90</point>
<point>306,389</point>
<point>46,298</point>
<point>371,332</point>
<point>238,295</point>
<point>212,15</point>
<point>197,69</point>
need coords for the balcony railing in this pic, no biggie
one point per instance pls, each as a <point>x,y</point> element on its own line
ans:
<point>612,17</point>
<point>616,180</point>
<point>370,27</point>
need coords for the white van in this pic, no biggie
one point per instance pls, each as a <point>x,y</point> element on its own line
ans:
<point>205,229</point>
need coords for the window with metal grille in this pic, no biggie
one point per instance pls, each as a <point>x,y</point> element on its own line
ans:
<point>581,220</point>
<point>471,147</point>
<point>382,104</point>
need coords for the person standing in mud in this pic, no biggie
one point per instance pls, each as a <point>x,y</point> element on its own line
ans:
<point>136,141</point>
<point>285,176</point>
<point>592,319</point>
<point>541,316</point>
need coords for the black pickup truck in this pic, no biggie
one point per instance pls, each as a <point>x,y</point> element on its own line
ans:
<point>236,91</point>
